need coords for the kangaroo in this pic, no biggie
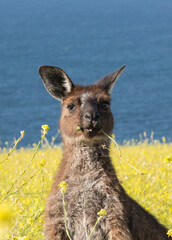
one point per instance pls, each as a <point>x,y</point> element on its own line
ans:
<point>86,167</point>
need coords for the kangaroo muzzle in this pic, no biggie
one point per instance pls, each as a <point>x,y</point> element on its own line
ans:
<point>90,117</point>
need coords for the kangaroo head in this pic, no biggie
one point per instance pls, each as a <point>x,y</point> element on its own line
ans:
<point>85,110</point>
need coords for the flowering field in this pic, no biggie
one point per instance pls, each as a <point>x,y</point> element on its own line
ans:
<point>144,169</point>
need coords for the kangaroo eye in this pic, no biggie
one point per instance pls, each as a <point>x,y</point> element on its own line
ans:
<point>71,107</point>
<point>105,104</point>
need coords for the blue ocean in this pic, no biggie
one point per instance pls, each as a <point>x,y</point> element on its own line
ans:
<point>88,39</point>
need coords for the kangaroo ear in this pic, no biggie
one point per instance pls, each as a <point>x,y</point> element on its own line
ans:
<point>56,81</point>
<point>108,81</point>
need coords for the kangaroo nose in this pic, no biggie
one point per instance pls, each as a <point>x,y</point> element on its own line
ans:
<point>91,116</point>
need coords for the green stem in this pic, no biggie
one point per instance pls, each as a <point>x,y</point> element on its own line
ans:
<point>24,171</point>
<point>65,216</point>
<point>12,193</point>
<point>43,182</point>
<point>37,216</point>
<point>94,227</point>
<point>118,149</point>
<point>12,150</point>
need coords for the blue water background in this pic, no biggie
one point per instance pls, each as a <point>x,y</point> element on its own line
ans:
<point>88,39</point>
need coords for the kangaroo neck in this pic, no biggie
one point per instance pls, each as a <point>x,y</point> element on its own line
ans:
<point>91,151</point>
<point>84,157</point>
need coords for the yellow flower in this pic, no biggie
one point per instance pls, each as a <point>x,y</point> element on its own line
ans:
<point>45,128</point>
<point>168,159</point>
<point>27,201</point>
<point>22,134</point>
<point>34,145</point>
<point>102,212</point>
<point>22,238</point>
<point>5,214</point>
<point>30,221</point>
<point>169,233</point>
<point>63,186</point>
<point>42,163</point>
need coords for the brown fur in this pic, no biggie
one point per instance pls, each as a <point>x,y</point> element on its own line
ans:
<point>86,167</point>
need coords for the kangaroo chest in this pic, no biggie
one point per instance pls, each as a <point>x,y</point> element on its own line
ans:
<point>91,179</point>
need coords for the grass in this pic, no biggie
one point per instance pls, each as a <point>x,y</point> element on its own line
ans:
<point>22,211</point>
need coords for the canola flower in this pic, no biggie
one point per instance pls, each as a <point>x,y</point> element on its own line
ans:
<point>169,233</point>
<point>5,214</point>
<point>6,217</point>
<point>28,203</point>
<point>101,213</point>
<point>45,128</point>
<point>22,134</point>
<point>20,238</point>
<point>168,159</point>
<point>63,186</point>
<point>42,163</point>
<point>8,193</point>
